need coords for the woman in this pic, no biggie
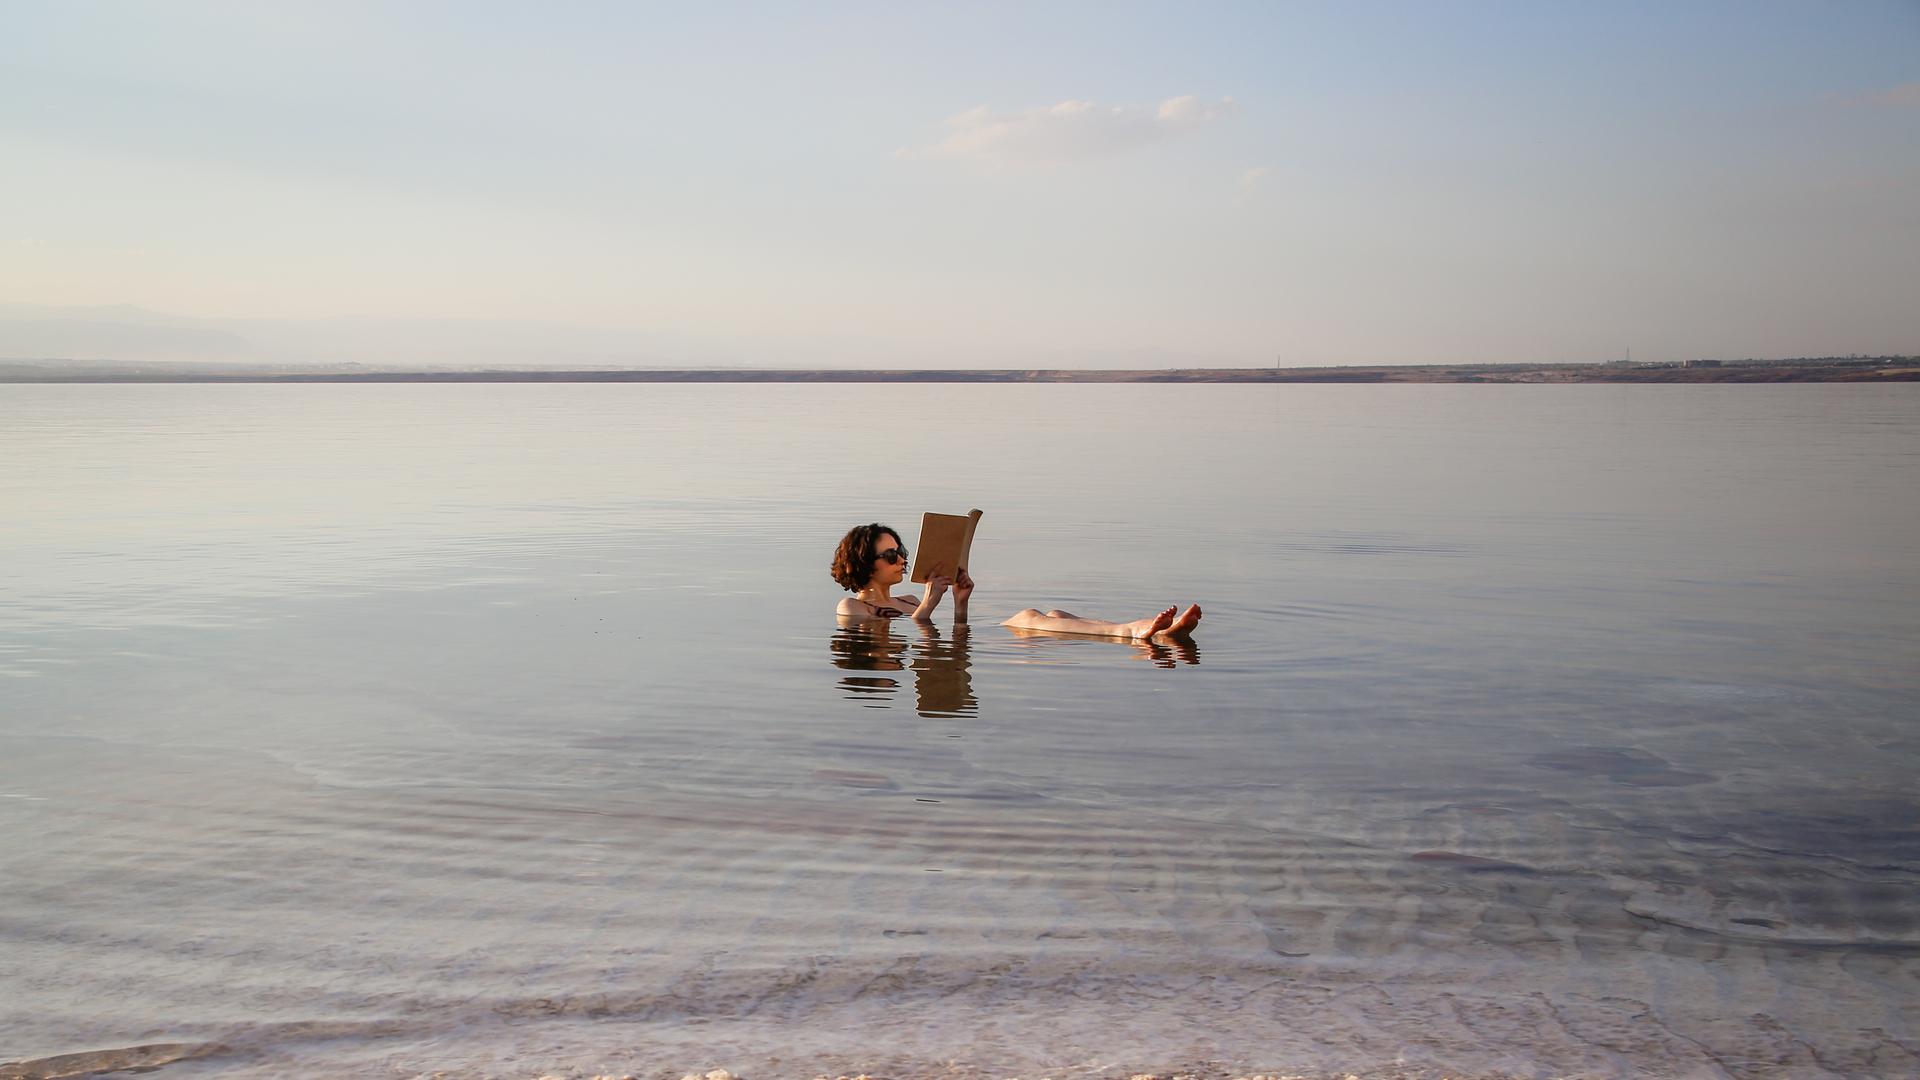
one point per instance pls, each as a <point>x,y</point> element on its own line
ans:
<point>870,561</point>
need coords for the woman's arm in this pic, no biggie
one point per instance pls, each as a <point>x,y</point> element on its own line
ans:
<point>936,588</point>
<point>962,592</point>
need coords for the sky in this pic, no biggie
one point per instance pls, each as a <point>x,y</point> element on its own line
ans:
<point>1032,184</point>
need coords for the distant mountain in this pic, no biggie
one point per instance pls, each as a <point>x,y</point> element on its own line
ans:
<point>126,334</point>
<point>115,332</point>
<point>126,314</point>
<point>122,334</point>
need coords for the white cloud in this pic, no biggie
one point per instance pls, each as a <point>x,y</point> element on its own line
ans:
<point>1904,96</point>
<point>1252,177</point>
<point>1069,131</point>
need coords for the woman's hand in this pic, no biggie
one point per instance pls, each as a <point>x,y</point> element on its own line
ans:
<point>937,587</point>
<point>962,589</point>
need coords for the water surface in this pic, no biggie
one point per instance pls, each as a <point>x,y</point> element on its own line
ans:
<point>506,731</point>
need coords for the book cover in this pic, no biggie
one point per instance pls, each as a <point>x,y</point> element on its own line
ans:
<point>946,545</point>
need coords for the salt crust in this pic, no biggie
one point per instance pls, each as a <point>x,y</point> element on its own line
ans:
<point>722,1074</point>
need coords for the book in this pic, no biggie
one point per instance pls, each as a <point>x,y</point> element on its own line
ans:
<point>946,543</point>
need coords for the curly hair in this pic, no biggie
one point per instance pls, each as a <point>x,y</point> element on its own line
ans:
<point>853,559</point>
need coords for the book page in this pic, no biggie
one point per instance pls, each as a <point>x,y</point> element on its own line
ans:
<point>945,545</point>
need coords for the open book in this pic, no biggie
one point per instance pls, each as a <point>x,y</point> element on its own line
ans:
<point>946,545</point>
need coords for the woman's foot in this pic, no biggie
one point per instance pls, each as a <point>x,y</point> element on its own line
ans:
<point>1146,628</point>
<point>1183,626</point>
<point>1165,625</point>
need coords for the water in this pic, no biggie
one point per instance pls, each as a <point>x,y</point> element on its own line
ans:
<point>506,731</point>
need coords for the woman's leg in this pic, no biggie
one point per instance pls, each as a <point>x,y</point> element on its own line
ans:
<point>1061,622</point>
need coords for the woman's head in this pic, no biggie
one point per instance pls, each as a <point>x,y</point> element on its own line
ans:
<point>857,561</point>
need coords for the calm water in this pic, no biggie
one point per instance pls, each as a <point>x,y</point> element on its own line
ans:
<point>506,731</point>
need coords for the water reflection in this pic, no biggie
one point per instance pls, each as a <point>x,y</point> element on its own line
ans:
<point>942,676</point>
<point>1168,653</point>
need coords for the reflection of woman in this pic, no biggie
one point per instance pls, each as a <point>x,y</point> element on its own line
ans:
<point>941,685</point>
<point>869,652</point>
<point>870,561</point>
<point>869,655</point>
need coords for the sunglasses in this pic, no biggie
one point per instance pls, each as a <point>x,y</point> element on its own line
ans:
<point>894,555</point>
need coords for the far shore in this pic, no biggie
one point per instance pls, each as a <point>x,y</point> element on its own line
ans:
<point>1903,370</point>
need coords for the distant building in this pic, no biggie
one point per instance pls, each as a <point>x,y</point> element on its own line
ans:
<point>1700,363</point>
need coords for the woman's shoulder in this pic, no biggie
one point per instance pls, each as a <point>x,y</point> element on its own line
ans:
<point>898,605</point>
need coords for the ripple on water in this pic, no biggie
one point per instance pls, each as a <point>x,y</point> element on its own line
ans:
<point>443,929</point>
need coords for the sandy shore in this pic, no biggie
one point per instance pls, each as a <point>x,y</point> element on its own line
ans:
<point>21,372</point>
<point>152,1057</point>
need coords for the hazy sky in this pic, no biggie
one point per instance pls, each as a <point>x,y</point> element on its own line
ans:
<point>977,183</point>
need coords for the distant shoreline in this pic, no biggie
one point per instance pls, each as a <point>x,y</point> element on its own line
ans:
<point>23,372</point>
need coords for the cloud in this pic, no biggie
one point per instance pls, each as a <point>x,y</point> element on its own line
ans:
<point>1069,131</point>
<point>1252,177</point>
<point>1904,96</point>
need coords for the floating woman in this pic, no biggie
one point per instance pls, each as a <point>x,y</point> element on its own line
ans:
<point>871,560</point>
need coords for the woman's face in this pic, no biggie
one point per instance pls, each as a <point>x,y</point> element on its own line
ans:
<point>885,570</point>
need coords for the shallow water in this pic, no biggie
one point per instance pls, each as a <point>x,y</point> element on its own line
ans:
<point>505,730</point>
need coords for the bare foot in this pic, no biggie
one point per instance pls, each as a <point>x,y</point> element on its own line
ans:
<point>1146,628</point>
<point>1183,626</point>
